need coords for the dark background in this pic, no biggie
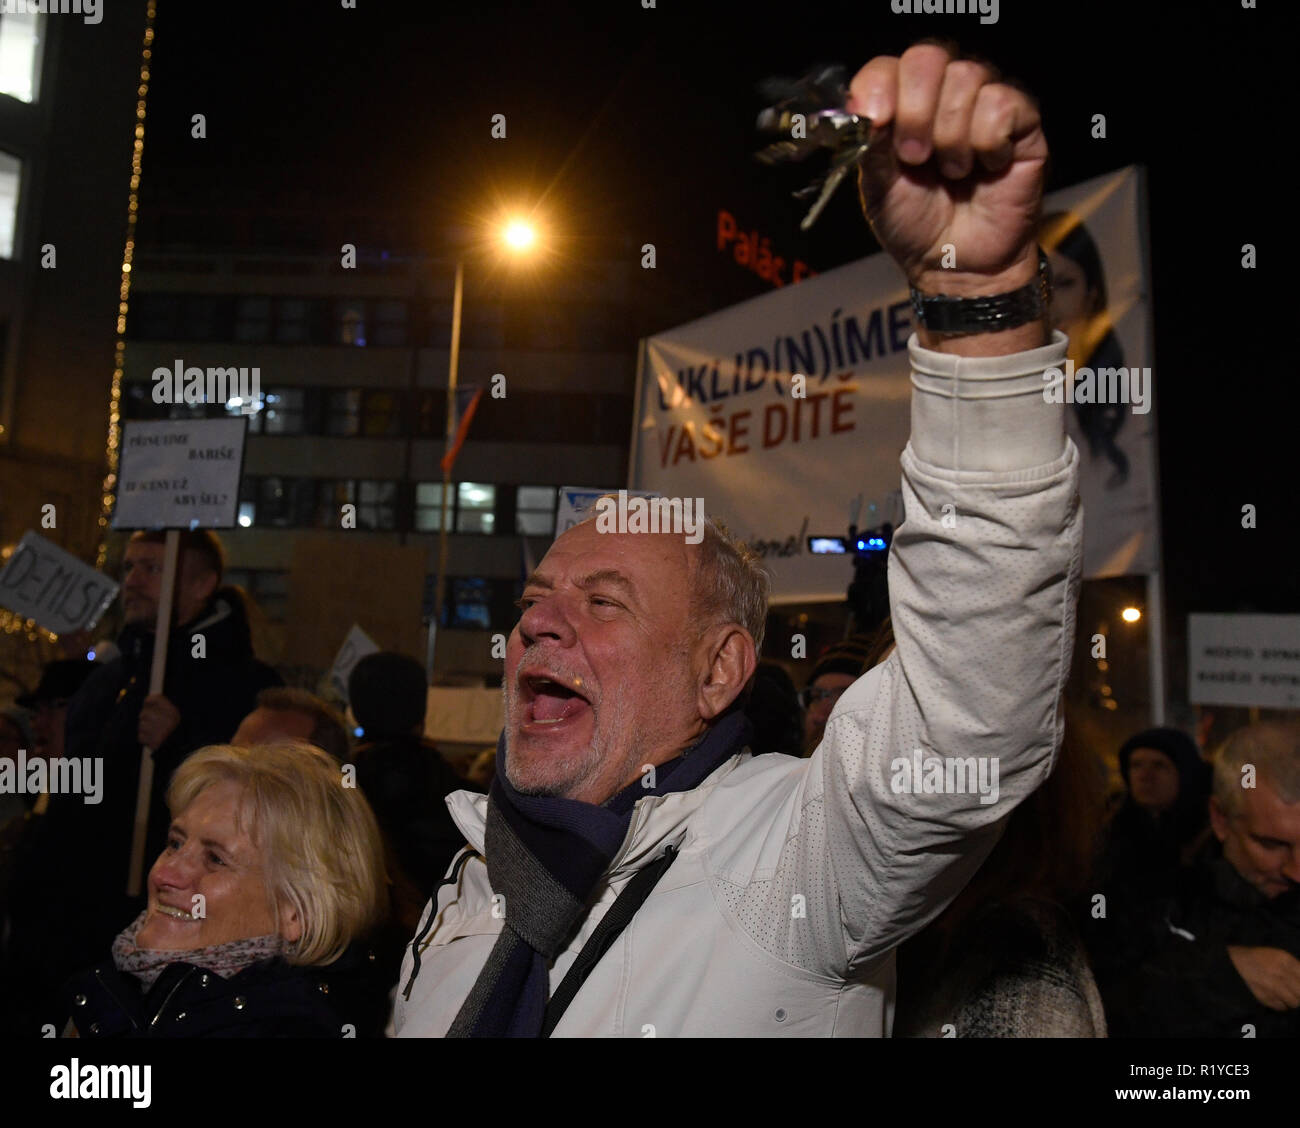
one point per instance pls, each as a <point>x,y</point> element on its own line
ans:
<point>634,126</point>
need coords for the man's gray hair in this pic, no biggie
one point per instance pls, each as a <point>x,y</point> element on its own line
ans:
<point>1273,749</point>
<point>731,585</point>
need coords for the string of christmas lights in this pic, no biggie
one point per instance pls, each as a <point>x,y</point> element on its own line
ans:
<point>9,622</point>
<point>124,290</point>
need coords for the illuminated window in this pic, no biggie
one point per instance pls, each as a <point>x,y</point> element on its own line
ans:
<point>11,176</point>
<point>20,55</point>
<point>475,502</point>
<point>281,412</point>
<point>377,505</point>
<point>428,506</point>
<point>535,510</point>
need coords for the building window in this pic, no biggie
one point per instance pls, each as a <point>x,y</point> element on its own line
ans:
<point>535,510</point>
<point>343,412</point>
<point>252,320</point>
<point>390,323</point>
<point>469,606</point>
<point>475,507</point>
<point>20,55</point>
<point>377,505</point>
<point>381,414</point>
<point>482,326</point>
<point>350,322</point>
<point>428,506</point>
<point>155,317</point>
<point>285,502</point>
<point>11,177</point>
<point>278,413</point>
<point>293,321</point>
<point>202,318</point>
<point>331,497</point>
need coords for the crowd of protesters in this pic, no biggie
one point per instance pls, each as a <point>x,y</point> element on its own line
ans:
<point>1169,908</point>
<point>673,839</point>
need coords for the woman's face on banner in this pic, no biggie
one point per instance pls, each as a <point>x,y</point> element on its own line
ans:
<point>1072,297</point>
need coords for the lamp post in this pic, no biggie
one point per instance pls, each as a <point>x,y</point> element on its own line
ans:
<point>518,236</point>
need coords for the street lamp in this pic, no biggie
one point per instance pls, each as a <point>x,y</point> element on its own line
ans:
<point>1130,614</point>
<point>518,237</point>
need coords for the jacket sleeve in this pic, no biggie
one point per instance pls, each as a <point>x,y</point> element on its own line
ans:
<point>983,581</point>
<point>1189,988</point>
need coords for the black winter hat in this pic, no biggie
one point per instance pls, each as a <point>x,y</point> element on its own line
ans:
<point>1178,746</point>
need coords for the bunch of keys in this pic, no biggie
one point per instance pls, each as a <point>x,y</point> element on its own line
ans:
<point>819,96</point>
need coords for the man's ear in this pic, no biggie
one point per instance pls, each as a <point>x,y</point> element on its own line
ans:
<point>731,663</point>
<point>1218,820</point>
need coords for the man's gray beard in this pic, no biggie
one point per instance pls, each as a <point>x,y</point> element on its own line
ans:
<point>570,773</point>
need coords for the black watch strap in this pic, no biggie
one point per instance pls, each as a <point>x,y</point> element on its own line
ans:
<point>946,313</point>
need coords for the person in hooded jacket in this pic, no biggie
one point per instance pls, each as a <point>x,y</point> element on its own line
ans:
<point>1162,819</point>
<point>69,894</point>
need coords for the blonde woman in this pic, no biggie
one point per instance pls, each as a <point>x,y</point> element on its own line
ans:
<point>271,878</point>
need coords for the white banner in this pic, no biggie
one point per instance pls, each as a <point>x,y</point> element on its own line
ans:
<point>1244,660</point>
<point>715,417</point>
<point>181,474</point>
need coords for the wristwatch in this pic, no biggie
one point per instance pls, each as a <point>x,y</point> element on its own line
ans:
<point>946,313</point>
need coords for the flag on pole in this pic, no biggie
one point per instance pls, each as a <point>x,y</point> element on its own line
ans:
<point>466,404</point>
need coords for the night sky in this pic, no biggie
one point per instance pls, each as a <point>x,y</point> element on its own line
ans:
<point>633,126</point>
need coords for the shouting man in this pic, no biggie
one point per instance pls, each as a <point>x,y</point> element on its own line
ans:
<point>634,871</point>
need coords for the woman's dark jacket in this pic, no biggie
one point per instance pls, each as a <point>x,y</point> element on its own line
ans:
<point>270,999</point>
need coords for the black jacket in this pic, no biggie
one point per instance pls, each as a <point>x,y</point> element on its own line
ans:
<point>1166,972</point>
<point>406,781</point>
<point>68,899</point>
<point>271,999</point>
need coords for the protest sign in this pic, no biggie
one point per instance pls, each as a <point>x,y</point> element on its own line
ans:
<point>47,584</point>
<point>180,474</point>
<point>355,646</point>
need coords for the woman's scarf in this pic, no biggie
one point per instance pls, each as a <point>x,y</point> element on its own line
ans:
<point>226,960</point>
<point>545,856</point>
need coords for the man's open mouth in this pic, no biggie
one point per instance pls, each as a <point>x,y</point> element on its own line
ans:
<point>550,699</point>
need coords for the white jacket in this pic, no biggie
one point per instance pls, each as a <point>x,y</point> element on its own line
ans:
<point>797,879</point>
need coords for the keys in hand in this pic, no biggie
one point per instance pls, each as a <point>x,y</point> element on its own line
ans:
<point>819,96</point>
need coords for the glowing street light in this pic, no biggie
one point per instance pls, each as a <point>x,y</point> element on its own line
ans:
<point>519,235</point>
<point>1130,614</point>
